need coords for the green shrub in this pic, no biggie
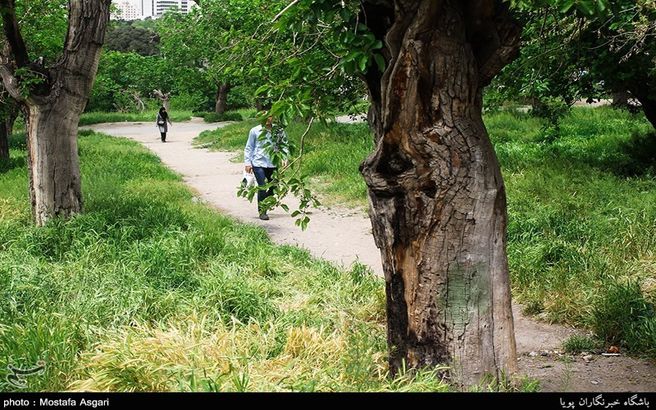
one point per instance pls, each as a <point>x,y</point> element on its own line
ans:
<point>227,116</point>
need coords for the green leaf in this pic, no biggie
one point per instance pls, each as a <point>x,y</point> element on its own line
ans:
<point>566,5</point>
<point>601,4</point>
<point>363,63</point>
<point>586,6</point>
<point>380,62</point>
<point>262,89</point>
<point>279,107</point>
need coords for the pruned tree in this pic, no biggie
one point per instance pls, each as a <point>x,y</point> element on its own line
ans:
<point>438,202</point>
<point>53,98</point>
<point>164,98</point>
<point>138,101</point>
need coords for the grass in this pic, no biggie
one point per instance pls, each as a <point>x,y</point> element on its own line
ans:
<point>577,344</point>
<point>89,118</point>
<point>149,290</point>
<point>582,210</point>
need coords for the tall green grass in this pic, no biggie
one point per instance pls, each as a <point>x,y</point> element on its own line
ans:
<point>582,209</point>
<point>149,290</point>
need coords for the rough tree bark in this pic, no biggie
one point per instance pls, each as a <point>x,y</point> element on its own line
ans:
<point>222,98</point>
<point>53,108</point>
<point>437,198</point>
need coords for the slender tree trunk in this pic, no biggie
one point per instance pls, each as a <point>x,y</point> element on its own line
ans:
<point>10,121</point>
<point>221,105</point>
<point>4,142</point>
<point>6,129</point>
<point>437,198</point>
<point>53,162</point>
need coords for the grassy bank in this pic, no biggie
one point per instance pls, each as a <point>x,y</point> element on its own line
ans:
<point>149,290</point>
<point>582,211</point>
<point>89,118</point>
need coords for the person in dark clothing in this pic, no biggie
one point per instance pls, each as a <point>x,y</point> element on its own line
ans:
<point>163,121</point>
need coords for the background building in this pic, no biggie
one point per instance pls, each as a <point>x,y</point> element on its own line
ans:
<point>140,9</point>
<point>127,10</point>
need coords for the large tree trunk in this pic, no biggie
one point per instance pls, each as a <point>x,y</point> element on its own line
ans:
<point>53,162</point>
<point>437,198</point>
<point>221,105</point>
<point>54,107</point>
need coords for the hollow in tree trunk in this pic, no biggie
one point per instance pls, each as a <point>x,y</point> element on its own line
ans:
<point>437,198</point>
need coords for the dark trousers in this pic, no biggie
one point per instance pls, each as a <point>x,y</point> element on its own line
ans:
<point>262,176</point>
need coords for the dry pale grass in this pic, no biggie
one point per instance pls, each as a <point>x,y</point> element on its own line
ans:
<point>197,355</point>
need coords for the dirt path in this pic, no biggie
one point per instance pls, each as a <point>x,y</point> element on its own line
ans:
<point>344,236</point>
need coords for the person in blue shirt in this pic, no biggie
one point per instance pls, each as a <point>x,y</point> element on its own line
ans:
<point>257,157</point>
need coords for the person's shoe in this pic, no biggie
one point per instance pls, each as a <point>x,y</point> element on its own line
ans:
<point>264,217</point>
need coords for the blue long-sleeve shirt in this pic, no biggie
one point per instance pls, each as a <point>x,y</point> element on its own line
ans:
<point>255,153</point>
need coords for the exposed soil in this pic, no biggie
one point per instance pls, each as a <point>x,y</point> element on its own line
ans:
<point>344,236</point>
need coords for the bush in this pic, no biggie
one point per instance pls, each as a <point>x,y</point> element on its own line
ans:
<point>194,101</point>
<point>240,96</point>
<point>227,116</point>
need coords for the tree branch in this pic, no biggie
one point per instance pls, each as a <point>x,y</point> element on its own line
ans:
<point>12,33</point>
<point>497,38</point>
<point>285,10</point>
<point>299,158</point>
<point>10,83</point>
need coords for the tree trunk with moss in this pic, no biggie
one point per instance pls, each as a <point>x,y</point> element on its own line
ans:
<point>437,198</point>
